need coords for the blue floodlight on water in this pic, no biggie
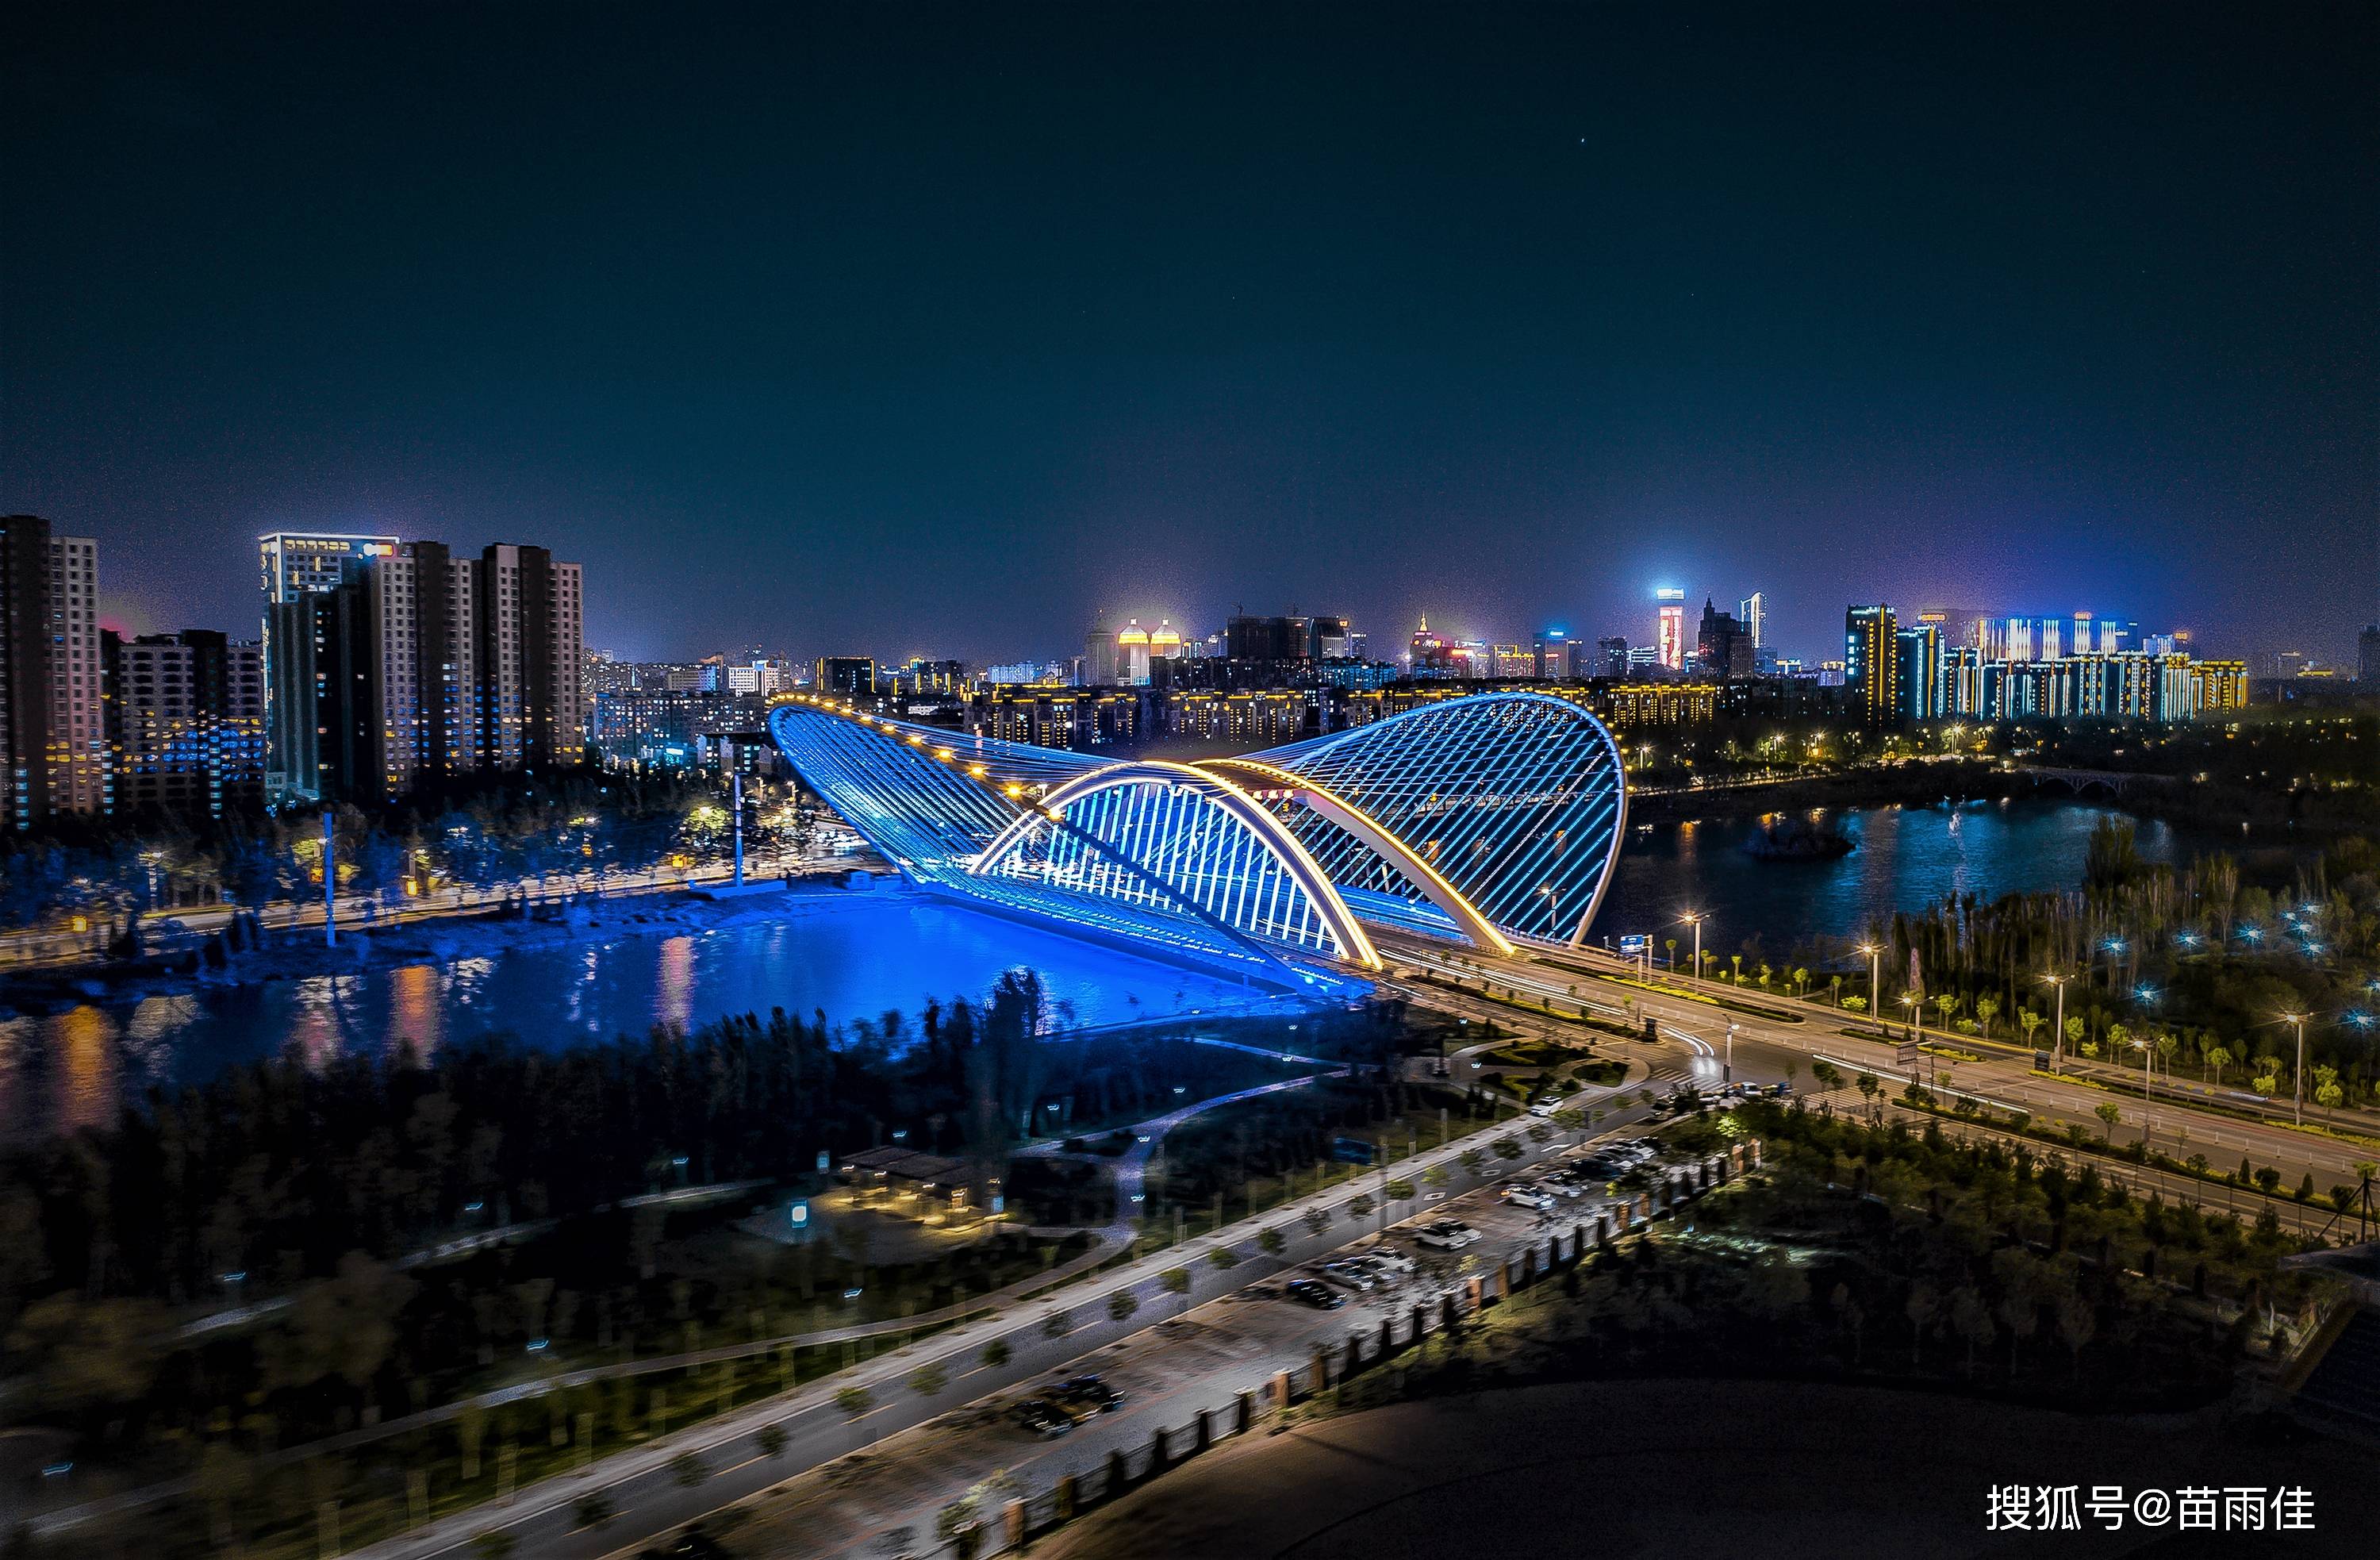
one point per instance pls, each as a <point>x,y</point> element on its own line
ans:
<point>1482,818</point>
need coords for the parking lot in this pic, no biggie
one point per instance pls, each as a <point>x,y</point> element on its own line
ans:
<point>885,1500</point>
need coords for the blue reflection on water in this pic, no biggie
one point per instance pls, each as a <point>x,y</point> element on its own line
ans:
<point>853,955</point>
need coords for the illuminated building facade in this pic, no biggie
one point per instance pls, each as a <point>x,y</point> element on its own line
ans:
<point>1753,612</point>
<point>1481,818</point>
<point>1919,673</point>
<point>185,722</point>
<point>1871,663</point>
<point>52,723</point>
<point>1669,628</point>
<point>1632,705</point>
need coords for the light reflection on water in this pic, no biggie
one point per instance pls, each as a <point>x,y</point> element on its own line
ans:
<point>857,955</point>
<point>852,956</point>
<point>1906,857</point>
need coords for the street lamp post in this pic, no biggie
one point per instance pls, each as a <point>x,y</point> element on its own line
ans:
<point>2297,1108</point>
<point>2058,1026</point>
<point>1874,982</point>
<point>1726,1069</point>
<point>1695,920</point>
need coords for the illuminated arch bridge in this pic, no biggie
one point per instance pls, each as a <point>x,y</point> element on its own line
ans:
<point>1484,819</point>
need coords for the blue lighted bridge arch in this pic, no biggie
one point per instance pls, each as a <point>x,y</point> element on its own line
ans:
<point>1492,818</point>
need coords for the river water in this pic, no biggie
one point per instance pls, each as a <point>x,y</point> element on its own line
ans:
<point>1905,858</point>
<point>857,955</point>
<point>854,954</point>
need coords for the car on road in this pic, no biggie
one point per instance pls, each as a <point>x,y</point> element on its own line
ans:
<point>1528,1195</point>
<point>1039,1416</point>
<point>1087,1389</point>
<point>1307,1291</point>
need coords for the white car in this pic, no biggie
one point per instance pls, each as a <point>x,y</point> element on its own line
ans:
<point>1529,1197</point>
<point>1446,1235</point>
<point>1388,1257</point>
<point>1561,1186</point>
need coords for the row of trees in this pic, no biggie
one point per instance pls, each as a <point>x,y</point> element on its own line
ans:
<point>576,825</point>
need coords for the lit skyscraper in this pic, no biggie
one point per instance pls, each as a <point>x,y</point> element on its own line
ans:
<point>1872,662</point>
<point>1669,628</point>
<point>1919,694</point>
<point>1751,613</point>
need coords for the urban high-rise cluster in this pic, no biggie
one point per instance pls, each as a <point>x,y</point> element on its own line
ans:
<point>380,665</point>
<point>92,723</point>
<point>390,665</point>
<point>1972,665</point>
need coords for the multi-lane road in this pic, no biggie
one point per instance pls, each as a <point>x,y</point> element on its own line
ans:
<point>2173,1125</point>
<point>647,1486</point>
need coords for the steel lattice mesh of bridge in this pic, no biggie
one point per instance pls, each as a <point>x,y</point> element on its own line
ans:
<point>1485,818</point>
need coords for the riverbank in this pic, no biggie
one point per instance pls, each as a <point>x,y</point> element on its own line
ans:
<point>1916,784</point>
<point>244,957</point>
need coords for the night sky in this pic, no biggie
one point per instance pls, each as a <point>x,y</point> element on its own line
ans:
<point>898,331</point>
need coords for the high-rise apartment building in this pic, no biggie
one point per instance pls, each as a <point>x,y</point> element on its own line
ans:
<point>185,722</point>
<point>1753,612</point>
<point>389,665</point>
<point>1919,695</point>
<point>422,609</point>
<point>1871,663</point>
<point>53,729</point>
<point>529,625</point>
<point>1962,680</point>
<point>2367,656</point>
<point>292,566</point>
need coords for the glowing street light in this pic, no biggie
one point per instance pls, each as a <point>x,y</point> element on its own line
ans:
<point>1695,920</point>
<point>1875,980</point>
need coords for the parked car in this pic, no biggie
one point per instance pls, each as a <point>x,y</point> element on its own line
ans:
<point>1528,1195</point>
<point>1560,1186</point>
<point>1039,1416</point>
<point>1445,1235</point>
<point>1076,1409</point>
<point>1347,1275</point>
<point>1307,1291</point>
<point>1089,1389</point>
<point>1389,1256</point>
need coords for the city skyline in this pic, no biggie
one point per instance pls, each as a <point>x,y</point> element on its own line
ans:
<point>805,328</point>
